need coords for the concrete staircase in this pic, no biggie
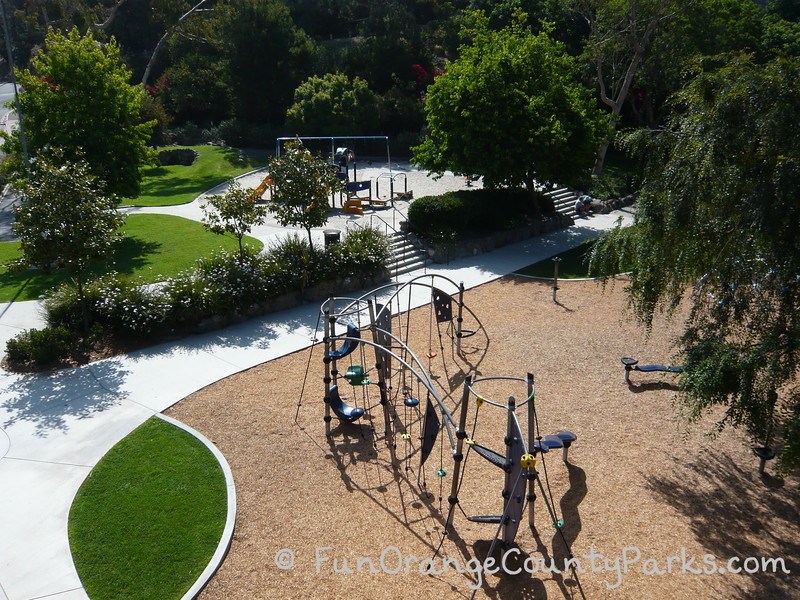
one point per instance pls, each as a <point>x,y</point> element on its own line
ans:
<point>407,254</point>
<point>564,200</point>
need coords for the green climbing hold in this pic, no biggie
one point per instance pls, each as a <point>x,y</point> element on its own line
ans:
<point>441,472</point>
<point>357,375</point>
<point>559,524</point>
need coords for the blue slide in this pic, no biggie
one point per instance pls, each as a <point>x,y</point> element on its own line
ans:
<point>349,345</point>
<point>342,409</point>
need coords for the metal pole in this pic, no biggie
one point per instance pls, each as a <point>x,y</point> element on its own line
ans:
<point>327,361</point>
<point>460,318</point>
<point>458,455</point>
<point>512,403</point>
<point>387,418</point>
<point>556,260</point>
<point>17,104</point>
<point>531,444</point>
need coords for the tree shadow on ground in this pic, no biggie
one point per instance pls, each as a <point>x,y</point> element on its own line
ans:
<point>130,254</point>
<point>50,400</point>
<point>735,512</point>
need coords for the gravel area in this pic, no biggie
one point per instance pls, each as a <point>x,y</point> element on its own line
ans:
<point>640,482</point>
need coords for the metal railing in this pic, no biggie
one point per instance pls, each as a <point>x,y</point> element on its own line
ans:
<point>391,177</point>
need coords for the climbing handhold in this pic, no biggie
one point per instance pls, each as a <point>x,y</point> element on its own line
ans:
<point>441,472</point>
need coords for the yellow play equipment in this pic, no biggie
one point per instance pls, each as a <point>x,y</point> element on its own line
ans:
<point>257,194</point>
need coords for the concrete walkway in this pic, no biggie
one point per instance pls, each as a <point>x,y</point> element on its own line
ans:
<point>55,427</point>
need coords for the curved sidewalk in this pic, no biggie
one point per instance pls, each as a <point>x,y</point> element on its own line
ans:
<point>55,427</point>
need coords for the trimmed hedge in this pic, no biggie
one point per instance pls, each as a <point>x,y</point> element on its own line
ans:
<point>468,212</point>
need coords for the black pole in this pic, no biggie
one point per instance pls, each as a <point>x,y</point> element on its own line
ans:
<point>556,260</point>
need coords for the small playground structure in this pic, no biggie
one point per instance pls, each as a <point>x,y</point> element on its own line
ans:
<point>431,397</point>
<point>265,185</point>
<point>358,193</point>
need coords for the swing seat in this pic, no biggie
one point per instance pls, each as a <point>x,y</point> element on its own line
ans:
<point>349,345</point>
<point>411,402</point>
<point>342,409</point>
<point>356,375</point>
<point>664,368</point>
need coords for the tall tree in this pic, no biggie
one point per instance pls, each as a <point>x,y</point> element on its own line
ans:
<point>302,185</point>
<point>77,98</point>
<point>718,226</point>
<point>621,32</point>
<point>66,220</point>
<point>700,28</point>
<point>333,104</point>
<point>266,57</point>
<point>177,21</point>
<point>510,109</point>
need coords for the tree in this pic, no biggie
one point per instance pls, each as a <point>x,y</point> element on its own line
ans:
<point>331,105</point>
<point>621,32</point>
<point>302,186</point>
<point>510,109</point>
<point>234,212</point>
<point>179,21</point>
<point>77,98</point>
<point>718,226</point>
<point>700,28</point>
<point>266,57</point>
<point>66,220</point>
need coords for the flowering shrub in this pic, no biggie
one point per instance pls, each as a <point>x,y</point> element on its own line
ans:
<point>225,284</point>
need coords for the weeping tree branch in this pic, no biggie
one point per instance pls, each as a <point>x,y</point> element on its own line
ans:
<point>165,37</point>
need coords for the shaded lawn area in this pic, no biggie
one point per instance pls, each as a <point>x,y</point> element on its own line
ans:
<point>149,517</point>
<point>574,264</point>
<point>154,247</point>
<point>178,184</point>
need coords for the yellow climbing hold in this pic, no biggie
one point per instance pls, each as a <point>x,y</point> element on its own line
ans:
<point>528,461</point>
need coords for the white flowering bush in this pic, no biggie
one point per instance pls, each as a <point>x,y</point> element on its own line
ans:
<point>225,284</point>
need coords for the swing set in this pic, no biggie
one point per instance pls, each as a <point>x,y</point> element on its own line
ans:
<point>402,379</point>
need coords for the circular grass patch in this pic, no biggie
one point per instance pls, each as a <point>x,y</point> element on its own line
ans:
<point>149,517</point>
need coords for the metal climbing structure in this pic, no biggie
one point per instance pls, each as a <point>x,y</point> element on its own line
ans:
<point>379,324</point>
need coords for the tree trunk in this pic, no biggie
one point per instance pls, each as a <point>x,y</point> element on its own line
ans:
<point>164,38</point>
<point>639,46</point>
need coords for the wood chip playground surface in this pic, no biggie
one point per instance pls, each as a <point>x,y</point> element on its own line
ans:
<point>640,483</point>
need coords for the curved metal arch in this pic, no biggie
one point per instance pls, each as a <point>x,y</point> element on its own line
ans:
<point>448,421</point>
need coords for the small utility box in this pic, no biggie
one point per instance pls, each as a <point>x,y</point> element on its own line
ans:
<point>332,236</point>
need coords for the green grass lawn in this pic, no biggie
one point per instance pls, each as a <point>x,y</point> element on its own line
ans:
<point>149,517</point>
<point>177,184</point>
<point>574,264</point>
<point>154,247</point>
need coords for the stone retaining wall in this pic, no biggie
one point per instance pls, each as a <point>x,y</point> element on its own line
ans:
<point>443,252</point>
